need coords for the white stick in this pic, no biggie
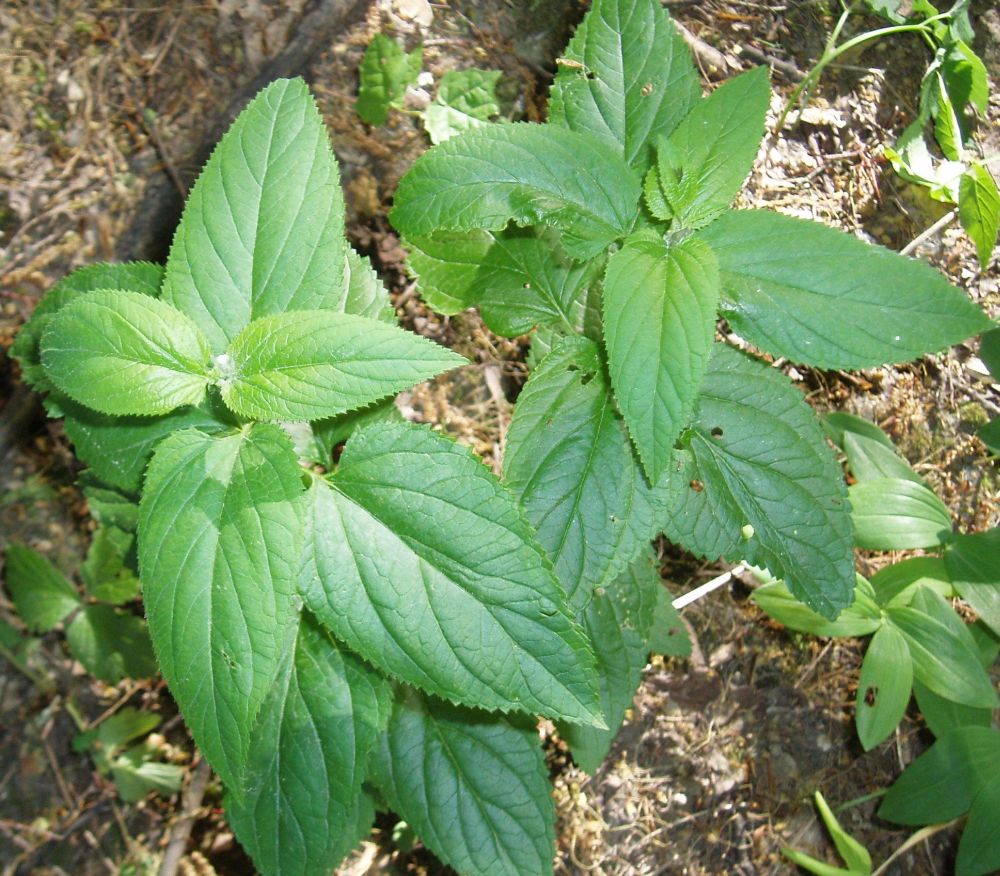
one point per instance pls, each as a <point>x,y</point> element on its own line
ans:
<point>706,588</point>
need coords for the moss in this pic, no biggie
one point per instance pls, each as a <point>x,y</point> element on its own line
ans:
<point>973,414</point>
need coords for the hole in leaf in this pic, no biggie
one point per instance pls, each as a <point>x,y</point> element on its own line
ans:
<point>697,485</point>
<point>587,377</point>
<point>870,696</point>
<point>716,432</point>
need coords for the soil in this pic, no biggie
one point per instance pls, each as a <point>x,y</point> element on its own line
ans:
<point>104,117</point>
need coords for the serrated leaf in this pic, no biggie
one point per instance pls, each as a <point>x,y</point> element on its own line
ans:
<point>465,99</point>
<point>668,635</point>
<point>386,71</point>
<point>979,848</point>
<point>884,686</point>
<point>518,278</point>
<point>108,506</point>
<point>754,453</point>
<point>526,173</point>
<point>262,230</point>
<point>308,757</point>
<point>861,618</point>
<point>420,562</point>
<point>626,76</point>
<point>979,210</point>
<point>364,293</point>
<point>219,547</point>
<point>474,787</point>
<point>896,514</point>
<point>819,296</point>
<point>659,323</point>
<point>703,164</point>
<point>122,352</point>
<point>42,596</point>
<point>327,434</point>
<point>569,464</point>
<point>111,644</point>
<point>307,365</point>
<point>137,276</point>
<point>973,564</point>
<point>104,570</point>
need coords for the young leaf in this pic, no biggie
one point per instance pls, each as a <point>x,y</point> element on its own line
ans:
<point>105,572</point>
<point>861,618</point>
<point>525,173</point>
<point>973,563</point>
<point>659,322</point>
<point>569,464</point>
<point>135,774</point>
<point>111,644</point>
<point>979,848</point>
<point>754,454</point>
<point>219,547</point>
<point>979,210</point>
<point>465,99</point>
<point>419,561</point>
<point>884,686</point>
<point>364,292</point>
<point>871,460</point>
<point>626,76</point>
<point>474,786</point>
<point>308,756</point>
<point>702,166</point>
<point>122,352</point>
<point>822,297</point>
<point>387,70</point>
<point>894,514</point>
<point>262,230</point>
<point>42,595</point>
<point>307,365</point>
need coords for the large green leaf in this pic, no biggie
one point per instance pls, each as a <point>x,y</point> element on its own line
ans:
<point>569,464</point>
<point>386,71</point>
<point>531,174</point>
<point>819,296</point>
<point>308,757</point>
<point>42,596</point>
<point>896,514</point>
<point>627,76</point>
<point>973,563</point>
<point>307,365</point>
<point>754,463</point>
<point>262,231</point>
<point>111,644</point>
<point>702,165</point>
<point>979,848</point>
<point>474,787</point>
<point>979,210</point>
<point>420,561</point>
<point>659,322</point>
<point>884,686</point>
<point>219,547</point>
<point>122,352</point>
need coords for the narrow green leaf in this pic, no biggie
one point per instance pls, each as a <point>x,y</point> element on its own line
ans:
<point>979,210</point>
<point>525,173</point>
<point>871,460</point>
<point>973,563</point>
<point>942,715</point>
<point>219,547</point>
<point>569,464</point>
<point>894,514</point>
<point>838,425</point>
<point>822,297</point>
<point>111,644</point>
<point>659,323</point>
<point>42,596</point>
<point>420,562</point>
<point>897,581</point>
<point>854,854</point>
<point>308,756</point>
<point>386,71</point>
<point>262,230</point>
<point>861,618</point>
<point>884,686</point>
<point>465,99</point>
<point>754,454</point>
<point>473,786</point>
<point>626,76</point>
<point>814,865</point>
<point>307,365</point>
<point>979,848</point>
<point>942,783</point>
<point>122,352</point>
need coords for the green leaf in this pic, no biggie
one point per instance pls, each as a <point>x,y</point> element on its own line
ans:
<point>135,775</point>
<point>854,854</point>
<point>989,351</point>
<point>138,276</point>
<point>837,425</point>
<point>979,210</point>
<point>892,582</point>
<point>108,506</point>
<point>122,352</point>
<point>474,786</point>
<point>979,848</point>
<point>531,174</point>
<point>308,756</point>
<point>990,436</point>
<point>973,563</point>
<point>569,464</point>
<point>420,562</point>
<point>42,596</point>
<point>262,230</point>
<point>944,781</point>
<point>465,99</point>
<point>124,726</point>
<point>703,164</point>
<point>861,618</point>
<point>965,77</point>
<point>386,71</point>
<point>942,715</point>
<point>754,454</point>
<point>219,546</point>
<point>111,644</point>
<point>659,323</point>
<point>105,572</point>
<point>884,686</point>
<point>894,514</point>
<point>668,635</point>
<point>307,365</point>
<point>819,296</point>
<point>871,460</point>
<point>364,293</point>
<point>626,76</point>
<point>519,278</point>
